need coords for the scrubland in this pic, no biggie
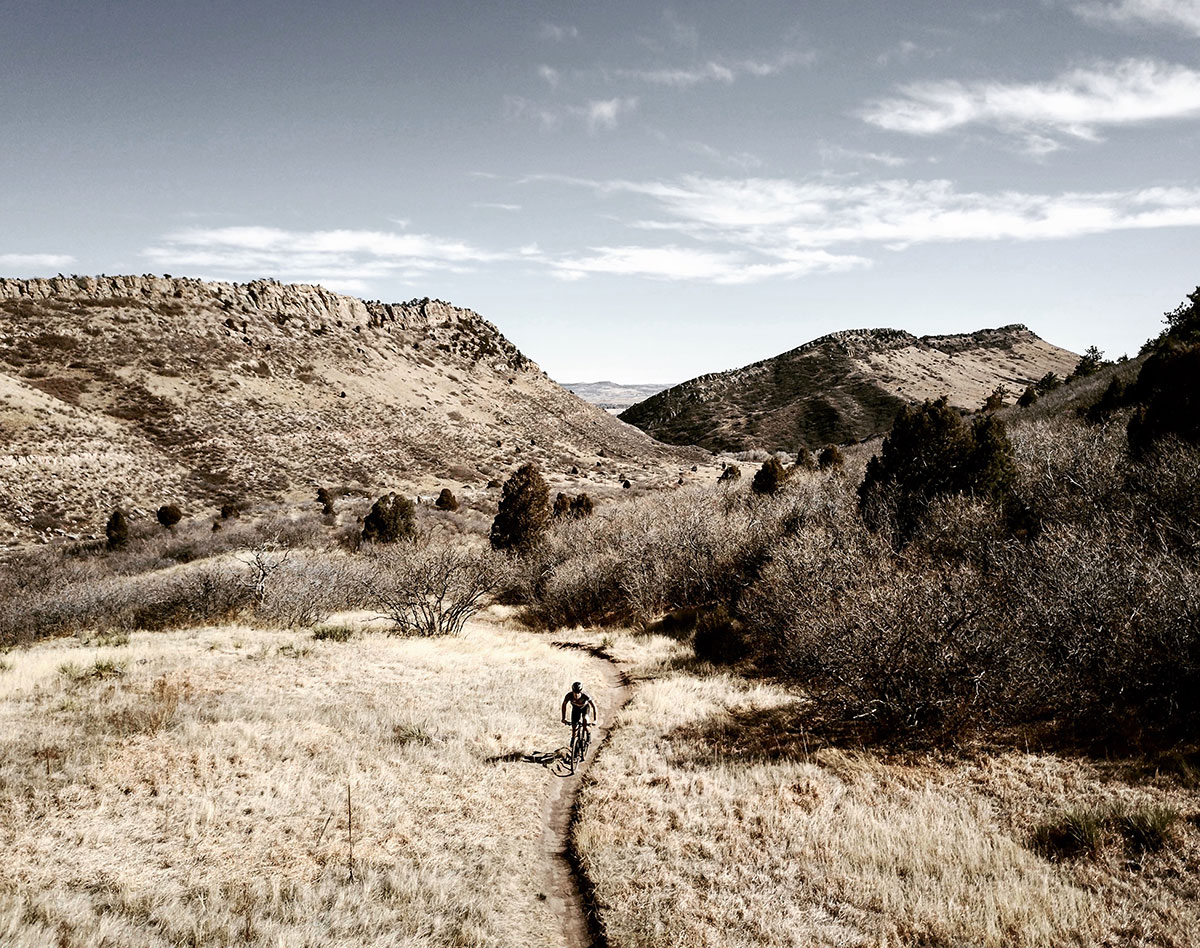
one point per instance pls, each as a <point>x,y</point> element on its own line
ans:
<point>198,787</point>
<point>715,815</point>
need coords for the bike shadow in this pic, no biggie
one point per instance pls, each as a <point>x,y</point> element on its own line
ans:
<point>553,760</point>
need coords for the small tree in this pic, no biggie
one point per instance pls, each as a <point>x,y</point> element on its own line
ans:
<point>325,499</point>
<point>1183,322</point>
<point>524,511</point>
<point>1089,364</point>
<point>169,515</point>
<point>117,529</point>
<point>1168,392</point>
<point>562,506</point>
<point>831,458</point>
<point>446,500</point>
<point>805,460</point>
<point>1047,383</point>
<point>391,519</point>
<point>1028,397</point>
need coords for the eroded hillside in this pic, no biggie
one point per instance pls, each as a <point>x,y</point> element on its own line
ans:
<point>140,391</point>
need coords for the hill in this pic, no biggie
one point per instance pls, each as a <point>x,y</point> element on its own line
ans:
<point>844,387</point>
<point>140,391</point>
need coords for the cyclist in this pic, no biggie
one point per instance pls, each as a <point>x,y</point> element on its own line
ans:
<point>580,702</point>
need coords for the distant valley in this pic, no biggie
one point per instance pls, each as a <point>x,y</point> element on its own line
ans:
<point>613,396</point>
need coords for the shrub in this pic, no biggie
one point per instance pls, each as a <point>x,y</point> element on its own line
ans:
<point>169,515</point>
<point>581,506</point>
<point>117,530</point>
<point>431,590</point>
<point>730,474</point>
<point>524,511</point>
<point>325,499</point>
<point>805,460</point>
<point>1168,395</point>
<point>1047,383</point>
<point>719,638</point>
<point>1028,397</point>
<point>229,510</point>
<point>769,478</point>
<point>391,519</point>
<point>995,401</point>
<point>333,633</point>
<point>930,452</point>
<point>446,500</point>
<point>831,458</point>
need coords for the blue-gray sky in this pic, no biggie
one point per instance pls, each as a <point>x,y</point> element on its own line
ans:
<point>629,191</point>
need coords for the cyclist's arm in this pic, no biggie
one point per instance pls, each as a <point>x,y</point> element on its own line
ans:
<point>595,711</point>
<point>564,710</point>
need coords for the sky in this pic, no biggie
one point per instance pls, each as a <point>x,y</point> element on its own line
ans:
<point>629,191</point>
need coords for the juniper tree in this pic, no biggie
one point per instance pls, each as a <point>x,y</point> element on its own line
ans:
<point>390,519</point>
<point>524,510</point>
<point>117,529</point>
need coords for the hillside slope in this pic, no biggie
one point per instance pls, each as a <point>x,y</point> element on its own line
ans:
<point>844,387</point>
<point>143,390</point>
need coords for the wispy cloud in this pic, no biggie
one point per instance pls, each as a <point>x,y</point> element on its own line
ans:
<point>902,52</point>
<point>830,152</point>
<point>1170,13</point>
<point>600,114</point>
<point>776,217</point>
<point>558,32</point>
<point>721,70</point>
<point>697,265</point>
<point>549,75</point>
<point>523,109</point>
<point>742,160</point>
<point>496,206</point>
<point>341,259</point>
<point>1077,103</point>
<point>28,262</point>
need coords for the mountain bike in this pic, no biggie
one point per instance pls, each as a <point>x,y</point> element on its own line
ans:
<point>581,739</point>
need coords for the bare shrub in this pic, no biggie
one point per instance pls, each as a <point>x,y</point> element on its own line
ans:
<point>431,590</point>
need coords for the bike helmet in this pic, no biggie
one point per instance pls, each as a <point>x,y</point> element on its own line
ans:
<point>577,686</point>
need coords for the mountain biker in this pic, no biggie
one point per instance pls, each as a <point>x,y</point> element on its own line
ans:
<point>580,702</point>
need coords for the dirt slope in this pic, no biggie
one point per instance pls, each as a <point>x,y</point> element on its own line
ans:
<point>140,391</point>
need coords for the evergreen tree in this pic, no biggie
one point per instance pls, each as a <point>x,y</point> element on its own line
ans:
<point>831,458</point>
<point>524,510</point>
<point>169,515</point>
<point>446,500</point>
<point>392,518</point>
<point>325,499</point>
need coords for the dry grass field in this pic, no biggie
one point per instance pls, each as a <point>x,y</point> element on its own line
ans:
<point>190,788</point>
<point>711,817</point>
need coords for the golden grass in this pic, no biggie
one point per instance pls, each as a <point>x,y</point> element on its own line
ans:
<point>199,798</point>
<point>698,828</point>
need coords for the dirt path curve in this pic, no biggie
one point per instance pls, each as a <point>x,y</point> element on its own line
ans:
<point>565,888</point>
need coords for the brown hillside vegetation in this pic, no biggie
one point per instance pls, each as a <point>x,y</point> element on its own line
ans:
<point>844,387</point>
<point>139,391</point>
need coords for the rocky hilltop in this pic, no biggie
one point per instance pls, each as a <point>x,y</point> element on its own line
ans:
<point>844,387</point>
<point>143,390</point>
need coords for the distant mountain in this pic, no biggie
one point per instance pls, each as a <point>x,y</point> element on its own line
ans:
<point>139,391</point>
<point>844,387</point>
<point>612,396</point>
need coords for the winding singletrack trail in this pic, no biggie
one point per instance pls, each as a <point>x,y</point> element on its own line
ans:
<point>565,889</point>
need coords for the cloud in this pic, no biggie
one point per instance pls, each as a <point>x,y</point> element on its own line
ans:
<point>1169,13</point>
<point>331,257</point>
<point>831,152</point>
<point>557,33</point>
<point>692,264</point>
<point>902,52</point>
<point>725,71</point>
<point>496,206</point>
<point>777,218</point>
<point>27,262</point>
<point>604,113</point>
<point>1077,103</point>
<point>742,160</point>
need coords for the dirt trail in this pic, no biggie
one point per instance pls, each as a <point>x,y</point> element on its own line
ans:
<point>564,887</point>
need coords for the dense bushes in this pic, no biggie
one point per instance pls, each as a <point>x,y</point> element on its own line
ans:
<point>389,520</point>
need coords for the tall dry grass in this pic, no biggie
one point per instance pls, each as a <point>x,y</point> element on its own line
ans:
<point>713,816</point>
<point>190,788</point>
